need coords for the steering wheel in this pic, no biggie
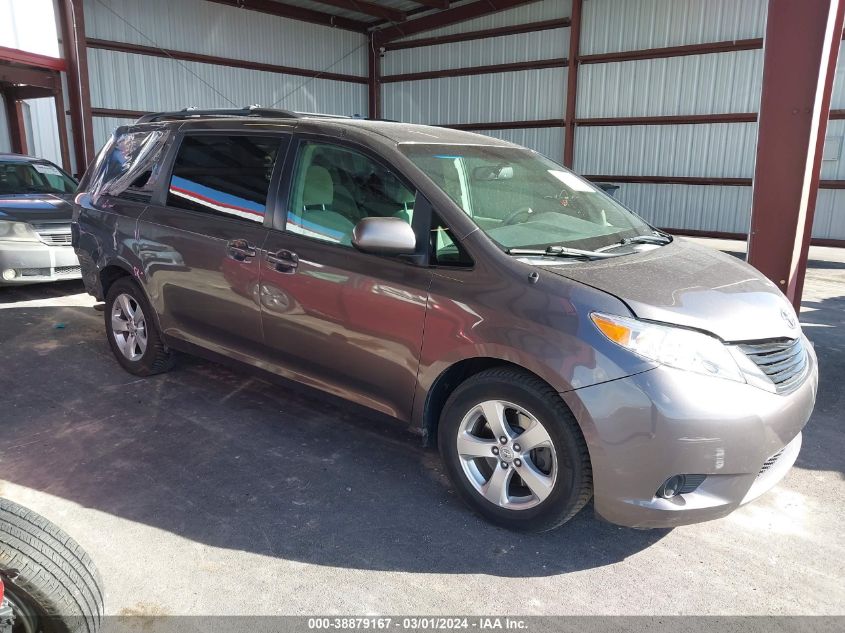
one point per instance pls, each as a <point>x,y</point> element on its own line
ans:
<point>514,215</point>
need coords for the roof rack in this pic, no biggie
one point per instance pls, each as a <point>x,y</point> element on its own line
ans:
<point>189,113</point>
<point>251,111</point>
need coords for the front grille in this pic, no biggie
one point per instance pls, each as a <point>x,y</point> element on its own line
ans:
<point>771,462</point>
<point>784,361</point>
<point>69,270</point>
<point>53,233</point>
<point>34,272</point>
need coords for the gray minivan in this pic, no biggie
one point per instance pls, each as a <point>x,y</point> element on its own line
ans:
<point>552,344</point>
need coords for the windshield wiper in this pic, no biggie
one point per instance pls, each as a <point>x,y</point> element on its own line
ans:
<point>560,251</point>
<point>660,239</point>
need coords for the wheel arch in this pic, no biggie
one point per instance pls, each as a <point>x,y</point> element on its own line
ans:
<point>449,379</point>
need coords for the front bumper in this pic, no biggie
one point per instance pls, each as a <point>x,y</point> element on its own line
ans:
<point>643,429</point>
<point>34,262</point>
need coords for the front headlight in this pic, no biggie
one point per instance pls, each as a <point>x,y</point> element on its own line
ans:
<point>671,346</point>
<point>17,232</point>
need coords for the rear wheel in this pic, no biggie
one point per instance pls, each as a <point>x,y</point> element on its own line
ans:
<point>50,583</point>
<point>514,451</point>
<point>132,331</point>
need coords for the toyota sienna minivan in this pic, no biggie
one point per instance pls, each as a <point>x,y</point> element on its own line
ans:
<point>551,343</point>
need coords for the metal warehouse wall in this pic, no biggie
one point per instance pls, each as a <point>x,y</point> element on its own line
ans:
<point>611,93</point>
<point>124,80</point>
<point>521,95</point>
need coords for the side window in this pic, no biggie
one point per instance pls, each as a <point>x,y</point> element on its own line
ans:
<point>335,187</point>
<point>445,249</point>
<point>223,175</point>
<point>130,165</point>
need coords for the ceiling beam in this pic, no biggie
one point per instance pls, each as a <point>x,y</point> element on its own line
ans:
<point>446,18</point>
<point>434,4</point>
<point>296,13</point>
<point>368,8</point>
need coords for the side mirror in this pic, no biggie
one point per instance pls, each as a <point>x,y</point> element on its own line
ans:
<point>384,236</point>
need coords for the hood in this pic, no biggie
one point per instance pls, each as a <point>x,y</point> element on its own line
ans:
<point>35,207</point>
<point>694,286</point>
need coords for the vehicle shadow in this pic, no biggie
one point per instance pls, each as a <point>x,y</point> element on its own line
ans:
<point>227,459</point>
<point>824,324</point>
<point>15,293</point>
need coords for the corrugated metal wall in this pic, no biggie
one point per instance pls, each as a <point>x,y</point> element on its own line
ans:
<point>715,83</point>
<point>523,95</point>
<point>43,129</point>
<point>129,81</point>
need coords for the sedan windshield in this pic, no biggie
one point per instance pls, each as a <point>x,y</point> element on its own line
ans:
<point>523,200</point>
<point>18,177</point>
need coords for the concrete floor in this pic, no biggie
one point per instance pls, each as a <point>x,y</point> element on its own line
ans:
<point>208,491</point>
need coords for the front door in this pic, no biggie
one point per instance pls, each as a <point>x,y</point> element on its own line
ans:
<point>200,248</point>
<point>346,321</point>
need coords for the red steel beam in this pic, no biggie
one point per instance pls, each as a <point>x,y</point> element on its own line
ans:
<point>476,70</point>
<point>118,114</point>
<point>505,125</point>
<point>79,89</point>
<point>139,49</point>
<point>434,4</point>
<point>516,29</point>
<point>33,60</point>
<point>17,129</point>
<point>674,51</point>
<point>61,121</point>
<point>572,84</point>
<point>448,17</point>
<point>367,8</point>
<point>296,13</point>
<point>29,76</point>
<point>802,44</point>
<point>688,119</point>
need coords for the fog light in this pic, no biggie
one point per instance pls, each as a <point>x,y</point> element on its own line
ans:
<point>671,487</point>
<point>9,274</point>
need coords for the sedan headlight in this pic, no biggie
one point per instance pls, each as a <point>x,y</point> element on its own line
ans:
<point>671,346</point>
<point>17,232</point>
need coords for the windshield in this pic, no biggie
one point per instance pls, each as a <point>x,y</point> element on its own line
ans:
<point>38,177</point>
<point>524,200</point>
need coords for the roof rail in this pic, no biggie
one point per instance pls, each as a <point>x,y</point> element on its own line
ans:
<point>251,111</point>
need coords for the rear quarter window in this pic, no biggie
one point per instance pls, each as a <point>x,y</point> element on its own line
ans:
<point>130,165</point>
<point>224,175</point>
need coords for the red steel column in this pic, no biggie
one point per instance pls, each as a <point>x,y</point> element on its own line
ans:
<point>374,77</point>
<point>76,55</point>
<point>572,83</point>
<point>800,52</point>
<point>17,127</point>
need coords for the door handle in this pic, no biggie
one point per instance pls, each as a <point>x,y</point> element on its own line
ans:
<point>283,260</point>
<point>240,250</point>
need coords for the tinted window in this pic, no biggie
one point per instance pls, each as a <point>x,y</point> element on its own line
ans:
<point>335,187</point>
<point>223,175</point>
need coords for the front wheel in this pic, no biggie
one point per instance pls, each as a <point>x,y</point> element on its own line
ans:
<point>514,451</point>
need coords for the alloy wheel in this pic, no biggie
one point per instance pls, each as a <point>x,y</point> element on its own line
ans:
<point>129,326</point>
<point>507,455</point>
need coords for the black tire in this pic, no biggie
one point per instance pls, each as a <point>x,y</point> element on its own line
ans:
<point>573,486</point>
<point>157,358</point>
<point>56,581</point>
